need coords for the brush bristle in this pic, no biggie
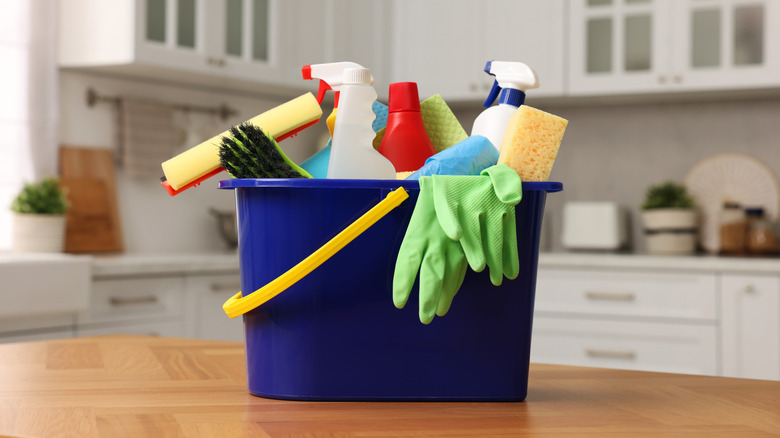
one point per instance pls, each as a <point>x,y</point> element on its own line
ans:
<point>249,152</point>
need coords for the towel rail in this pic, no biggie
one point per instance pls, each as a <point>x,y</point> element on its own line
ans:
<point>223,111</point>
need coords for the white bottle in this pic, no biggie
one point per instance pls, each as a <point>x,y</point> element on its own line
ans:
<point>512,79</point>
<point>352,154</point>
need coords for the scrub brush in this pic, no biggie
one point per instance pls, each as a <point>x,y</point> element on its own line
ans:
<point>249,152</point>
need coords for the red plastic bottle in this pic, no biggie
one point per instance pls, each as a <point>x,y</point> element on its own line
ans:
<point>405,143</point>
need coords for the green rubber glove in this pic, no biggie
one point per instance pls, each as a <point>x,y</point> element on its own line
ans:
<point>479,212</point>
<point>440,260</point>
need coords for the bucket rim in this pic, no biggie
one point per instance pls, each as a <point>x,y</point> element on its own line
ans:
<point>547,186</point>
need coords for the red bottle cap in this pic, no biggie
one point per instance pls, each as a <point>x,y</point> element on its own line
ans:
<point>403,97</point>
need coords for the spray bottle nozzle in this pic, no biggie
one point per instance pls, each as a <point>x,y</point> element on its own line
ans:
<point>512,79</point>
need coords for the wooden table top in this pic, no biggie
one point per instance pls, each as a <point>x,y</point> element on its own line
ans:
<point>116,386</point>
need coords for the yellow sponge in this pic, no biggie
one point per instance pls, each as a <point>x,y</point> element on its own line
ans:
<point>278,122</point>
<point>531,142</point>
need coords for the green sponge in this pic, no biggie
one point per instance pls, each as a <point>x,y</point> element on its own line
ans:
<point>441,125</point>
<point>249,152</point>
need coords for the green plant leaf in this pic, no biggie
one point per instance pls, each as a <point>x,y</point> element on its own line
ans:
<point>668,194</point>
<point>44,197</point>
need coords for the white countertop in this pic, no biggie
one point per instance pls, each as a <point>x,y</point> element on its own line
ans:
<point>174,263</point>
<point>702,263</point>
<point>189,263</point>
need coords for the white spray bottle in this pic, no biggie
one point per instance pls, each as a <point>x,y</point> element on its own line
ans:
<point>352,154</point>
<point>330,75</point>
<point>512,79</point>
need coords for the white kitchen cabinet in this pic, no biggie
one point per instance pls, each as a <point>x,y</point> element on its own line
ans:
<point>206,319</point>
<point>640,46</point>
<point>687,348</point>
<point>443,45</point>
<point>148,305</point>
<point>334,31</point>
<point>630,319</point>
<point>750,326</point>
<point>209,41</point>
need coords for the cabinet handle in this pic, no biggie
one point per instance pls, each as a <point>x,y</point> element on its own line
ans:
<point>215,61</point>
<point>677,78</point>
<point>610,354</point>
<point>610,296</point>
<point>224,287</point>
<point>661,79</point>
<point>749,288</point>
<point>121,302</point>
<point>473,87</point>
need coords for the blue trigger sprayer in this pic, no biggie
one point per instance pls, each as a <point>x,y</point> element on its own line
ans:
<point>512,80</point>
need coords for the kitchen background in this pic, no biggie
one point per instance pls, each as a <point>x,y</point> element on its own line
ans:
<point>618,141</point>
<point>650,88</point>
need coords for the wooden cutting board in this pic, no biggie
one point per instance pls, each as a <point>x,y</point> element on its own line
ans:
<point>93,223</point>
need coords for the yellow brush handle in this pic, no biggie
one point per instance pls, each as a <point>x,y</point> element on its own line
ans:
<point>237,305</point>
<point>204,158</point>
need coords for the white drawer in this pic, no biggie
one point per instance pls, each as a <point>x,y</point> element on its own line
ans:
<point>626,293</point>
<point>209,293</point>
<point>133,298</point>
<point>677,348</point>
<point>172,329</point>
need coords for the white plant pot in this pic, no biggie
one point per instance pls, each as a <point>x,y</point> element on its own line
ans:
<point>670,231</point>
<point>38,232</point>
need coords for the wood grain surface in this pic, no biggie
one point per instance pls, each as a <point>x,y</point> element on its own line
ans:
<point>117,386</point>
<point>93,222</point>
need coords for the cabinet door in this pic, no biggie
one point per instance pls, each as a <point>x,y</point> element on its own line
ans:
<point>529,32</point>
<point>438,44</point>
<point>726,44</point>
<point>750,315</point>
<point>249,41</point>
<point>173,33</point>
<point>619,46</point>
<point>206,318</point>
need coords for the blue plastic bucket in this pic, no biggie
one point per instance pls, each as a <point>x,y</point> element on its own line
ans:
<point>336,335</point>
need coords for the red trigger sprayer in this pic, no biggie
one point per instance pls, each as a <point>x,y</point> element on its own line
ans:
<point>331,78</point>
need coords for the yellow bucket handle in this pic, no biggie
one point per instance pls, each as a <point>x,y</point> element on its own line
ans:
<point>236,305</point>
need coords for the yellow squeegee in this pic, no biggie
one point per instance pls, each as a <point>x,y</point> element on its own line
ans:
<point>191,167</point>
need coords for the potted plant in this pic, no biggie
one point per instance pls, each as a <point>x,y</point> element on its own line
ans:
<point>39,217</point>
<point>669,216</point>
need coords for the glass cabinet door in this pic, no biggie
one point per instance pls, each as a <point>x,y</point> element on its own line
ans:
<point>172,23</point>
<point>725,43</point>
<point>247,29</point>
<point>618,45</point>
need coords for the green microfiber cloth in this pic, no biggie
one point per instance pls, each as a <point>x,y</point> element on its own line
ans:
<point>441,125</point>
<point>249,152</point>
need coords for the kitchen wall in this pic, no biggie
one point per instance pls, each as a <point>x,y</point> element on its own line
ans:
<point>153,221</point>
<point>612,152</point>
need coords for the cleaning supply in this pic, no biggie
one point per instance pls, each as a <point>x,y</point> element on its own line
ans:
<point>405,143</point>
<point>249,152</point>
<point>317,164</point>
<point>426,249</point>
<point>330,75</point>
<point>441,125</point>
<point>352,154</point>
<point>237,305</point>
<point>479,213</point>
<point>531,143</point>
<point>199,163</point>
<point>469,157</point>
<point>512,79</point>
